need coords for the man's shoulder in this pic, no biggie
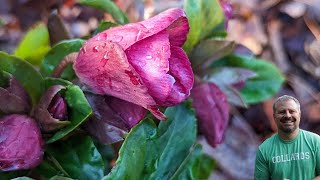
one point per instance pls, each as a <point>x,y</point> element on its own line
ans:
<point>266,144</point>
<point>310,135</point>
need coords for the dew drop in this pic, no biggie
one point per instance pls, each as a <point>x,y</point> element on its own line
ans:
<point>106,56</point>
<point>138,36</point>
<point>117,38</point>
<point>95,49</point>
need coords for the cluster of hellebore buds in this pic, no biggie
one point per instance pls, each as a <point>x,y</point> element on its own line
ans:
<point>126,70</point>
<point>21,142</point>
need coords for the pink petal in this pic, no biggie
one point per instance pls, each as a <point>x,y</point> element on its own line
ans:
<point>174,19</point>
<point>150,57</point>
<point>103,66</point>
<point>212,109</point>
<point>131,114</point>
<point>181,70</point>
<point>21,143</point>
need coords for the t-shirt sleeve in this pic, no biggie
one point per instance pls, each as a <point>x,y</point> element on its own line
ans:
<point>318,157</point>
<point>261,167</point>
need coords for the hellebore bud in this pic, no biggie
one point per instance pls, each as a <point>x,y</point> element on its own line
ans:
<point>212,110</point>
<point>21,144</point>
<point>51,113</point>
<point>13,97</point>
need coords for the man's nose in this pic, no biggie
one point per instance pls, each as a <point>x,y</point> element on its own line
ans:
<point>288,114</point>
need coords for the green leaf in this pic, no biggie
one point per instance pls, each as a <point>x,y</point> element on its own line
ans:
<point>204,16</point>
<point>209,50</point>
<point>22,178</point>
<point>151,152</point>
<point>60,178</point>
<point>212,16</point>
<point>56,55</point>
<point>193,9</point>
<point>196,166</point>
<point>267,82</point>
<point>49,81</point>
<point>12,174</point>
<point>78,111</point>
<point>34,45</point>
<point>109,7</point>
<point>46,169</point>
<point>79,157</point>
<point>104,25</point>
<point>25,73</point>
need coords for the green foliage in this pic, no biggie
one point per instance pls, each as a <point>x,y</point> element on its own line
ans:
<point>34,45</point>
<point>196,166</point>
<point>78,157</point>
<point>267,82</point>
<point>151,152</point>
<point>12,174</point>
<point>56,55</point>
<point>25,73</point>
<point>209,50</point>
<point>107,6</point>
<point>104,25</point>
<point>79,110</point>
<point>204,16</point>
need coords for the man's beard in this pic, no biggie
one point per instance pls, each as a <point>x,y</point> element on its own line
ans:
<point>288,129</point>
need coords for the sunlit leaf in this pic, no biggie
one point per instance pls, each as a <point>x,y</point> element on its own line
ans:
<point>34,45</point>
<point>152,152</point>
<point>267,82</point>
<point>79,157</point>
<point>109,7</point>
<point>57,54</point>
<point>204,16</point>
<point>25,73</point>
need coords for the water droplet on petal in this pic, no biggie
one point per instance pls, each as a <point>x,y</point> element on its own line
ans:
<point>117,38</point>
<point>106,56</point>
<point>149,57</point>
<point>83,49</point>
<point>138,35</point>
<point>95,49</point>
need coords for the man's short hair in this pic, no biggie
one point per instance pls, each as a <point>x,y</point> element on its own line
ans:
<point>285,98</point>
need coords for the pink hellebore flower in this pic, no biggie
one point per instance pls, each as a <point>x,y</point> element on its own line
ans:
<point>21,143</point>
<point>142,63</point>
<point>212,110</point>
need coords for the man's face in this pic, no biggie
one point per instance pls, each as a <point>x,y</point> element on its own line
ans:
<point>287,116</point>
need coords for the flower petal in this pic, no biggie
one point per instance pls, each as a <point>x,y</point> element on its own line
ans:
<point>105,124</point>
<point>96,65</point>
<point>14,99</point>
<point>180,69</point>
<point>173,20</point>
<point>149,57</point>
<point>48,122</point>
<point>131,114</point>
<point>212,109</point>
<point>21,143</point>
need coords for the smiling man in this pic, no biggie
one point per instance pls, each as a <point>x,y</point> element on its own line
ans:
<point>292,153</point>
